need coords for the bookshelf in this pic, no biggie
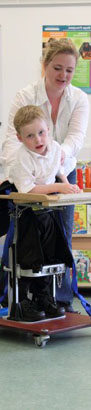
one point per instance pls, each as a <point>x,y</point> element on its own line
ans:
<point>81,241</point>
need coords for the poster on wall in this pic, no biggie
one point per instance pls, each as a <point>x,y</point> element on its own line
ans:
<point>81,36</point>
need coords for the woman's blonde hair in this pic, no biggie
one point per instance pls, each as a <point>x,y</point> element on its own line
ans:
<point>55,47</point>
<point>26,115</point>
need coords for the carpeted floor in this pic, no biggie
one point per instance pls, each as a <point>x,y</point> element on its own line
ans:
<point>56,377</point>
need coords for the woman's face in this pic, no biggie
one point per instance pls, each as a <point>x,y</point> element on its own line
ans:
<point>59,72</point>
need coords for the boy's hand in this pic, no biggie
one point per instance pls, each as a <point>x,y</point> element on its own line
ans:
<point>67,188</point>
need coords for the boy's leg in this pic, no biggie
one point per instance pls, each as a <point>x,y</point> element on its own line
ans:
<point>42,291</point>
<point>40,287</point>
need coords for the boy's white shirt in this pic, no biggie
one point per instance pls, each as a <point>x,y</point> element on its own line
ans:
<point>31,169</point>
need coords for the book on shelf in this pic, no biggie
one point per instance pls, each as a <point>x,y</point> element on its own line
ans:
<point>89,219</point>
<point>80,219</point>
<point>83,265</point>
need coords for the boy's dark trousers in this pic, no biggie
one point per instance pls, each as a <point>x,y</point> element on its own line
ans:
<point>41,241</point>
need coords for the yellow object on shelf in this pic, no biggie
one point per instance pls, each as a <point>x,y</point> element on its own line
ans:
<point>80,219</point>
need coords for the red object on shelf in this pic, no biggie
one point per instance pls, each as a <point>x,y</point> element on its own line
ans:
<point>80,178</point>
<point>88,177</point>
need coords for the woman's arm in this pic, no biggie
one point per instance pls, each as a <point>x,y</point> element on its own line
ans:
<point>77,124</point>
<point>11,143</point>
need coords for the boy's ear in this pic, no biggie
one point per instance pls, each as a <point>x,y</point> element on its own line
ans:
<point>19,137</point>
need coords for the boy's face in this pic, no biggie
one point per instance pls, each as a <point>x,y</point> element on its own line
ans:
<point>35,136</point>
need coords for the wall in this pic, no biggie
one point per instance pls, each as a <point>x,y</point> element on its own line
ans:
<point>21,32</point>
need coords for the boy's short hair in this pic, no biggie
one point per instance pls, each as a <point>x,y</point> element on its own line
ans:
<point>26,115</point>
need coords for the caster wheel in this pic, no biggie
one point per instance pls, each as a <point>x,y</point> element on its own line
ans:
<point>41,341</point>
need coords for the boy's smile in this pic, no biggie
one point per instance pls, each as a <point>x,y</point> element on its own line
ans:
<point>35,136</point>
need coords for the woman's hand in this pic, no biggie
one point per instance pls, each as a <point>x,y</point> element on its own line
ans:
<point>66,188</point>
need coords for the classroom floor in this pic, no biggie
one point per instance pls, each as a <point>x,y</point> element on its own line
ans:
<point>56,377</point>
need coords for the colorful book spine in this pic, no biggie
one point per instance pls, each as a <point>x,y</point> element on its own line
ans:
<point>83,265</point>
<point>80,219</point>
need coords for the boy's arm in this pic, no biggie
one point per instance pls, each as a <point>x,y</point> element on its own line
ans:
<point>64,188</point>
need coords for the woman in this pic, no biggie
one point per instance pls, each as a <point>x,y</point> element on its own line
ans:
<point>66,108</point>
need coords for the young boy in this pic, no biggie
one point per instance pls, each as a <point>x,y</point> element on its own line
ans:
<point>37,164</point>
<point>38,161</point>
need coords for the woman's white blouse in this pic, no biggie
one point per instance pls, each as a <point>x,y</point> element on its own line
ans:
<point>71,124</point>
